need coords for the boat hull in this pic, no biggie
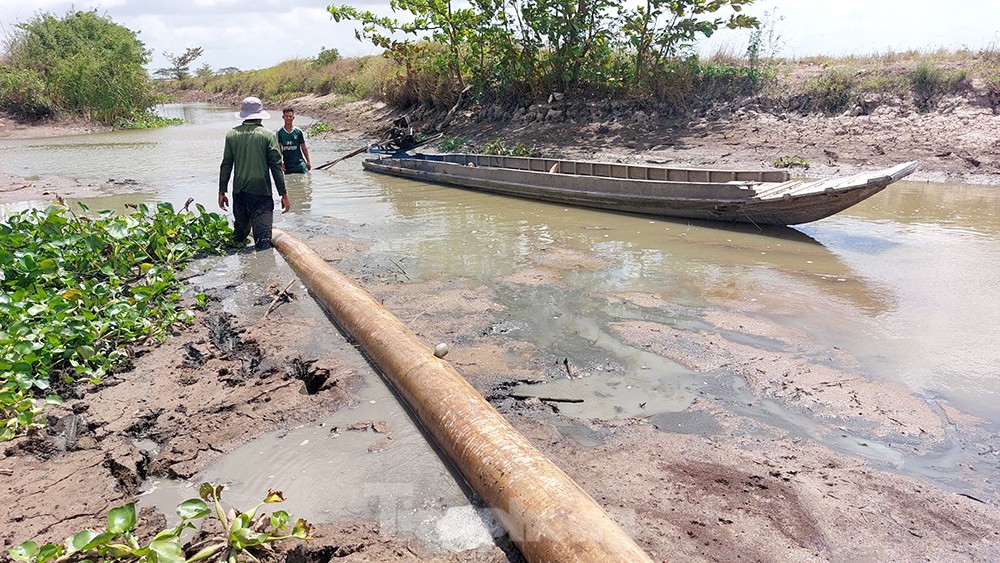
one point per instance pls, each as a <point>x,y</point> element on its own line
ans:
<point>757,197</point>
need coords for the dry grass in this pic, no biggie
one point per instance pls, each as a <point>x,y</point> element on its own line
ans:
<point>811,84</point>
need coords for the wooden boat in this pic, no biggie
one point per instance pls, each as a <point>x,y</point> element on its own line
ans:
<point>757,197</point>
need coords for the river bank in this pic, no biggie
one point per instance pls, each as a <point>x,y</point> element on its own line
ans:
<point>708,484</point>
<point>956,141</point>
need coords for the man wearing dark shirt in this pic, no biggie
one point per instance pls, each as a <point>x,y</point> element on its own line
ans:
<point>252,157</point>
<point>293,145</point>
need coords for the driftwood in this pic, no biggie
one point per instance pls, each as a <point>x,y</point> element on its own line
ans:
<point>545,399</point>
<point>283,294</point>
<point>451,113</point>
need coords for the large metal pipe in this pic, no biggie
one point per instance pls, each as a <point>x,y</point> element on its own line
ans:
<point>546,513</point>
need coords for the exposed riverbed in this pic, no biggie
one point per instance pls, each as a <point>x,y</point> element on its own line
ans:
<point>817,361</point>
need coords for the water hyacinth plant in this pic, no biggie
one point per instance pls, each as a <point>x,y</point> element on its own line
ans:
<point>76,290</point>
<point>243,535</point>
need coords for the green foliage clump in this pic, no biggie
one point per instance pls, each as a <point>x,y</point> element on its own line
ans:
<point>791,161</point>
<point>76,290</point>
<point>149,122</point>
<point>244,535</point>
<point>989,69</point>
<point>930,82</point>
<point>509,49</point>
<point>22,90</point>
<point>498,147</point>
<point>318,127</point>
<point>86,64</point>
<point>833,91</point>
<point>326,56</point>
<point>453,144</point>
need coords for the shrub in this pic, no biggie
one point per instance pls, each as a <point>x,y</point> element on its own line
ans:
<point>453,144</point>
<point>498,147</point>
<point>88,64</point>
<point>326,56</point>
<point>930,82</point>
<point>791,161</point>
<point>833,91</point>
<point>22,91</point>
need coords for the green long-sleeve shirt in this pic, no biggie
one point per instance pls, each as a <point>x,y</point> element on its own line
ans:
<point>251,152</point>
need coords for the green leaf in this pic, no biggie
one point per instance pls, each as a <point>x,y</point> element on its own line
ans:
<point>28,263</point>
<point>101,539</point>
<point>48,266</point>
<point>117,230</point>
<point>279,519</point>
<point>24,552</point>
<point>167,550</point>
<point>48,552</point>
<point>302,529</point>
<point>122,519</point>
<point>79,540</point>
<point>192,509</point>
<point>245,537</point>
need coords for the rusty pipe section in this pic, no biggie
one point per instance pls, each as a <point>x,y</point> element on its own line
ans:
<point>546,513</point>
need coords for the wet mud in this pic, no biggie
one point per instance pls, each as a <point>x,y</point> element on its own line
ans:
<point>729,478</point>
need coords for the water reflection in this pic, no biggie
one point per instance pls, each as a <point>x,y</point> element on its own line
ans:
<point>963,206</point>
<point>498,234</point>
<point>299,188</point>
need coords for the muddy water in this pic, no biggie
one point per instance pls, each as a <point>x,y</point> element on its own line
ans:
<point>908,282</point>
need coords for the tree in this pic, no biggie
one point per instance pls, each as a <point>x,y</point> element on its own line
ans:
<point>326,56</point>
<point>180,65</point>
<point>437,20</point>
<point>88,64</point>
<point>539,45</point>
<point>663,28</point>
<point>571,34</point>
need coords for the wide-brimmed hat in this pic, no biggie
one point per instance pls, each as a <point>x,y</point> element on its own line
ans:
<point>252,108</point>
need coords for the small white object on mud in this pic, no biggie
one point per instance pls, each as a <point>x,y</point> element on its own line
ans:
<point>441,350</point>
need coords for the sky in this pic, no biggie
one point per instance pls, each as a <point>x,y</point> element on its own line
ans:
<point>263,33</point>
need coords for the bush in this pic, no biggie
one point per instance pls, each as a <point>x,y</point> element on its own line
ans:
<point>833,91</point>
<point>326,56</point>
<point>22,91</point>
<point>930,82</point>
<point>85,64</point>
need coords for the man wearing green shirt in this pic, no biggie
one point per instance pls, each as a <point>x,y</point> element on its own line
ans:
<point>252,157</point>
<point>293,145</point>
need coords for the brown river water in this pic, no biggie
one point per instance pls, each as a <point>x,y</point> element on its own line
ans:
<point>908,282</point>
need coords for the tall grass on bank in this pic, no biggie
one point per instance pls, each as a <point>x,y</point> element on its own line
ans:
<point>859,83</point>
<point>988,68</point>
<point>352,78</point>
<point>683,87</point>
